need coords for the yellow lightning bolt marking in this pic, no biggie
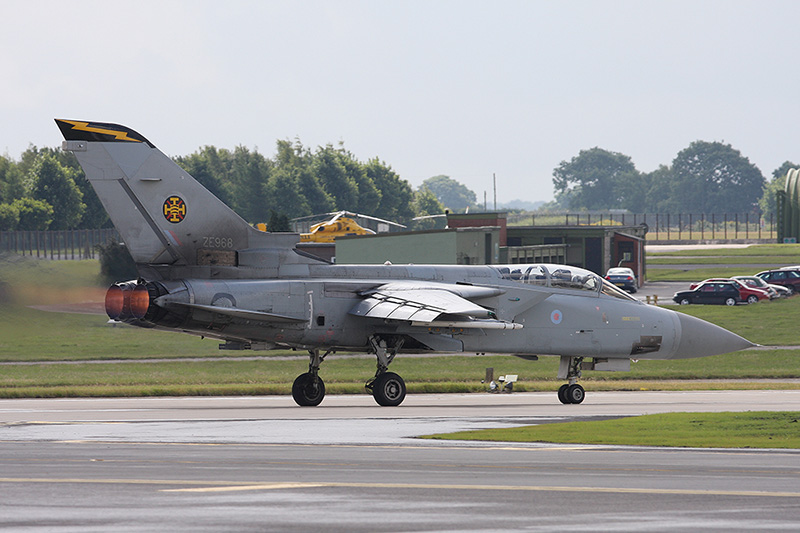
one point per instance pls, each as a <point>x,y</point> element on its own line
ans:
<point>84,126</point>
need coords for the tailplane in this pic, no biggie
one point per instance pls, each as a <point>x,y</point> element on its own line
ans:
<point>171,224</point>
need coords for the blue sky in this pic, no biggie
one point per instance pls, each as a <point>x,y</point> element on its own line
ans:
<point>461,88</point>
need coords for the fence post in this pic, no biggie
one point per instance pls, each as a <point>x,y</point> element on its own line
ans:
<point>668,226</point>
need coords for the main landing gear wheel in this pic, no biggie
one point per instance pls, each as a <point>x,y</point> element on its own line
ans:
<point>571,393</point>
<point>562,393</point>
<point>308,390</point>
<point>388,389</point>
<point>575,393</point>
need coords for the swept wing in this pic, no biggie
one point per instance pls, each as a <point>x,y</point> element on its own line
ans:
<point>432,305</point>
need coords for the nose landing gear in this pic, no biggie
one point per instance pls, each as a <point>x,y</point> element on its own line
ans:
<point>570,369</point>
<point>308,389</point>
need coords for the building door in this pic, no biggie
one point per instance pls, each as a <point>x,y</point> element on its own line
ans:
<point>625,255</point>
<point>487,249</point>
<point>593,254</point>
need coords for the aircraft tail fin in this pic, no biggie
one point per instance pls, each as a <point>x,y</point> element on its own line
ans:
<point>168,220</point>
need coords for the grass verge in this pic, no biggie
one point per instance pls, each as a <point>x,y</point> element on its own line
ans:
<point>698,274</point>
<point>770,250</point>
<point>758,429</point>
<point>346,375</point>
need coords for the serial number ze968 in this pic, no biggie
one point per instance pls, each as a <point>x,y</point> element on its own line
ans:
<point>218,242</point>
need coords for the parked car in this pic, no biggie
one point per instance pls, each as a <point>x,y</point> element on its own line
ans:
<point>749,294</point>
<point>774,291</point>
<point>716,292</point>
<point>785,277</point>
<point>623,277</point>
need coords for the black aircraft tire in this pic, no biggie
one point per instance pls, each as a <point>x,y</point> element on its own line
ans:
<point>562,393</point>
<point>307,391</point>
<point>389,389</point>
<point>575,393</point>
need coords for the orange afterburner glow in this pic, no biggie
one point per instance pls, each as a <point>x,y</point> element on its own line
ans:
<point>115,301</point>
<point>127,300</point>
<point>140,301</point>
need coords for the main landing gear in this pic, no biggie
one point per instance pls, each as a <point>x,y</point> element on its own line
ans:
<point>387,388</point>
<point>570,369</point>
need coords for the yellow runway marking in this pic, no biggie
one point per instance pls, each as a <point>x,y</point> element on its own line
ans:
<point>232,486</point>
<point>264,486</point>
<point>524,488</point>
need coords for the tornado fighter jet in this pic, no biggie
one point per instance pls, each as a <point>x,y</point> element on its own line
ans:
<point>205,271</point>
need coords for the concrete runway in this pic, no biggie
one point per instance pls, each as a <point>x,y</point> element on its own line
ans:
<point>264,464</point>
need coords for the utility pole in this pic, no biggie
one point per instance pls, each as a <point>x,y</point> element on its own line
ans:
<point>494,184</point>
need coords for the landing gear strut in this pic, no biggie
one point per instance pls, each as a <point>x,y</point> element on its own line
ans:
<point>387,388</point>
<point>309,389</point>
<point>570,369</point>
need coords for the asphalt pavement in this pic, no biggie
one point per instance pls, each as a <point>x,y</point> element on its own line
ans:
<point>264,464</point>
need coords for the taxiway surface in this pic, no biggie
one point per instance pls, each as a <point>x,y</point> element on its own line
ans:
<point>263,464</point>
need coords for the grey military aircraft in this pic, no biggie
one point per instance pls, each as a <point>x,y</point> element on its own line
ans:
<point>205,271</point>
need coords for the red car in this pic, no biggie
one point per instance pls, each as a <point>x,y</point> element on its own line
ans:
<point>749,294</point>
<point>787,277</point>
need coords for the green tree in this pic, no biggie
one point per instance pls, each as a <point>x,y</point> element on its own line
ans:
<point>278,222</point>
<point>284,188</point>
<point>711,177</point>
<point>53,183</point>
<point>333,175</point>
<point>369,196</point>
<point>11,181</point>
<point>767,201</point>
<point>250,174</point>
<point>34,215</point>
<point>451,193</point>
<point>659,197</point>
<point>397,196</point>
<point>426,204</point>
<point>296,161</point>
<point>212,168</point>
<point>784,169</point>
<point>116,263</point>
<point>595,178</point>
<point>9,217</point>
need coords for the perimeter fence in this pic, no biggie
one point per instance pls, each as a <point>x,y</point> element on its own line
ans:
<point>65,244</point>
<point>665,226</point>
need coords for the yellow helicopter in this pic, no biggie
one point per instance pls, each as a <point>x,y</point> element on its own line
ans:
<point>337,226</point>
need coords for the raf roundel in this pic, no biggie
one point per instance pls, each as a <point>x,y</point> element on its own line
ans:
<point>174,209</point>
<point>556,316</point>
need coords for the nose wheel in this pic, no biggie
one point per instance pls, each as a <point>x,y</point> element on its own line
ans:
<point>308,389</point>
<point>570,369</point>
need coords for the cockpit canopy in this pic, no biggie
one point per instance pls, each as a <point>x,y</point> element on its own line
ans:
<point>560,276</point>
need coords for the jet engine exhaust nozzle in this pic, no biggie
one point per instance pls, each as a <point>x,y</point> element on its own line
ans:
<point>128,300</point>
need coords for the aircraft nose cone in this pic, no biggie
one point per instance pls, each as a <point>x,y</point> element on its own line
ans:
<point>699,338</point>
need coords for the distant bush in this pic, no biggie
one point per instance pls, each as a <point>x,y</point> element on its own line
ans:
<point>116,263</point>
